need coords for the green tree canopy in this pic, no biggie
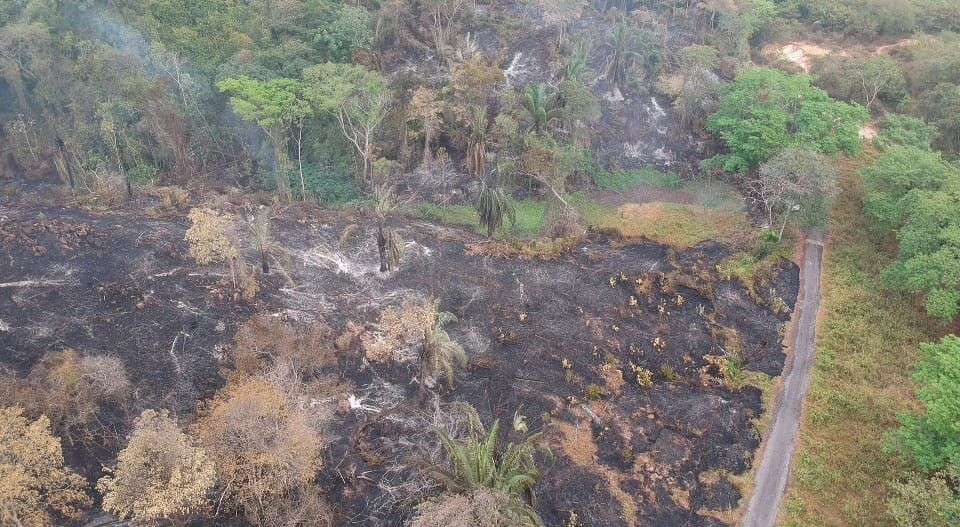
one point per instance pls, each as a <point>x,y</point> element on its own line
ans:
<point>905,130</point>
<point>895,177</point>
<point>358,98</point>
<point>348,31</point>
<point>274,106</point>
<point>933,436</point>
<point>928,262</point>
<point>766,110</point>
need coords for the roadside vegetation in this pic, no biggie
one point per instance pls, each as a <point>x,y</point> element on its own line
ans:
<point>866,348</point>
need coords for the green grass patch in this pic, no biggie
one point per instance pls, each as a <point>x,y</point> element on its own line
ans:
<point>673,224</point>
<point>459,215</point>
<point>529,216</point>
<point>867,345</point>
<point>621,180</point>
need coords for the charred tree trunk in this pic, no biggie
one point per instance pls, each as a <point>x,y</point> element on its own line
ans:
<point>62,150</point>
<point>382,247</point>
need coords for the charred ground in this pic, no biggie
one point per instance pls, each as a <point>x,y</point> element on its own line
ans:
<point>559,341</point>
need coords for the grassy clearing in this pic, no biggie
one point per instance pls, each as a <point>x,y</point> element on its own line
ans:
<point>623,179</point>
<point>681,225</point>
<point>670,223</point>
<point>866,348</point>
<point>529,217</point>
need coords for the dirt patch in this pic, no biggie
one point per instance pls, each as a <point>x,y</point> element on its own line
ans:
<point>898,44</point>
<point>803,54</point>
<point>800,53</point>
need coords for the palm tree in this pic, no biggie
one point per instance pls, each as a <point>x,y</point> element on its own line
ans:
<point>622,44</point>
<point>263,240</point>
<point>539,104</point>
<point>390,245</point>
<point>478,461</point>
<point>492,206</point>
<point>477,147</point>
<point>575,68</point>
<point>440,353</point>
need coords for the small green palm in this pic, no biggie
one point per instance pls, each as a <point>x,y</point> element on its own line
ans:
<point>493,205</point>
<point>479,462</point>
<point>440,353</point>
<point>539,104</point>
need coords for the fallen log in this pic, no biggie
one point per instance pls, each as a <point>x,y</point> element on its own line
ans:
<point>34,283</point>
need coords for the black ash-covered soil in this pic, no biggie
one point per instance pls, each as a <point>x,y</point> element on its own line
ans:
<point>123,285</point>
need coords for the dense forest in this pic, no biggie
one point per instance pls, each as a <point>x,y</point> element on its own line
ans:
<point>479,263</point>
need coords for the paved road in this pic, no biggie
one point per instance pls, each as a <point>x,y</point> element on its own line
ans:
<point>771,476</point>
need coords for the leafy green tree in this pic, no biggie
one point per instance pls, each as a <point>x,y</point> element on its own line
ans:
<point>274,106</point>
<point>538,101</point>
<point>941,106</point>
<point>892,180</point>
<point>349,30</point>
<point>933,435</point>
<point>739,22</point>
<point>357,98</point>
<point>928,260</point>
<point>578,108</point>
<point>439,353</point>
<point>695,87</point>
<point>765,110</point>
<point>905,130</point>
<point>623,43</point>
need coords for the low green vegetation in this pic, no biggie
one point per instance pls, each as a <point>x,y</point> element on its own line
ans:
<point>527,213</point>
<point>866,347</point>
<point>932,437</point>
<point>620,180</point>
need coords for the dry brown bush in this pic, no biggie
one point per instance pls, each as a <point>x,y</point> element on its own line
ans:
<point>266,449</point>
<point>172,198</point>
<point>107,187</point>
<point>209,237</point>
<point>562,221</point>
<point>35,486</point>
<point>483,508</point>
<point>308,508</point>
<point>399,328</point>
<point>73,391</point>
<point>266,342</point>
<point>159,474</point>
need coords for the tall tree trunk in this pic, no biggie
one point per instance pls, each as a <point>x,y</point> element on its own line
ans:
<point>427,139</point>
<point>303,183</point>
